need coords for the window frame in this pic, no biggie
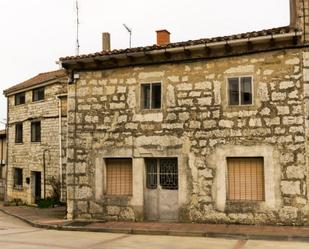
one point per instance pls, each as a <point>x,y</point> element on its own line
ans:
<point>38,96</point>
<point>150,96</point>
<point>18,95</point>
<point>229,199</point>
<point>106,185</point>
<point>21,126</point>
<point>34,139</point>
<point>16,184</point>
<point>239,91</point>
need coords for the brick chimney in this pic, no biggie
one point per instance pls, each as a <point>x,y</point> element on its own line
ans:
<point>163,37</point>
<point>106,41</point>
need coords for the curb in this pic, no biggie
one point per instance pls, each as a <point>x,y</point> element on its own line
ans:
<point>238,236</point>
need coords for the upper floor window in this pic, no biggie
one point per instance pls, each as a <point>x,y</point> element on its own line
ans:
<point>36,131</point>
<point>38,94</point>
<point>240,91</point>
<point>151,96</point>
<point>20,98</point>
<point>19,133</point>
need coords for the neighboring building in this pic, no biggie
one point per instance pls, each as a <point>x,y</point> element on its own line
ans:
<point>37,127</point>
<point>2,163</point>
<point>211,130</point>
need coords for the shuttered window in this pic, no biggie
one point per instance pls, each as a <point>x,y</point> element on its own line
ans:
<point>245,179</point>
<point>119,177</point>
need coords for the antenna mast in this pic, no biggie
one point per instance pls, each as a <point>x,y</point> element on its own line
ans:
<point>130,34</point>
<point>77,28</point>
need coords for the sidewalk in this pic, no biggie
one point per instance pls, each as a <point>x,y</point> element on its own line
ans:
<point>54,219</point>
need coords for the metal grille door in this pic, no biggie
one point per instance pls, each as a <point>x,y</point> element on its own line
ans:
<point>161,193</point>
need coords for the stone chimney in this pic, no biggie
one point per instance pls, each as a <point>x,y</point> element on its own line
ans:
<point>299,17</point>
<point>106,41</point>
<point>163,37</point>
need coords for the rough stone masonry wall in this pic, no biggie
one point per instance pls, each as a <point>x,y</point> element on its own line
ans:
<point>194,113</point>
<point>29,155</point>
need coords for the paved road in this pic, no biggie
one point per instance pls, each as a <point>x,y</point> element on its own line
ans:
<point>15,234</point>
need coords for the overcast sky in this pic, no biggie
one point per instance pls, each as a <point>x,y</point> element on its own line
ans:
<point>35,33</point>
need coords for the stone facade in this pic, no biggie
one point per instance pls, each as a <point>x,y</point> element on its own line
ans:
<point>30,156</point>
<point>197,126</point>
<point>2,163</point>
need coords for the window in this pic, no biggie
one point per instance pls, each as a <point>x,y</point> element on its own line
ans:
<point>151,96</point>
<point>245,179</point>
<point>20,98</point>
<point>19,133</point>
<point>36,131</point>
<point>240,91</point>
<point>163,171</point>
<point>18,177</point>
<point>119,177</point>
<point>38,94</point>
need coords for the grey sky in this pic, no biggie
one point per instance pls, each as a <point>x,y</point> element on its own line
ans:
<point>35,33</point>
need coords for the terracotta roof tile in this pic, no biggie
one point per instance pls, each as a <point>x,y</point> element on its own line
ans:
<point>274,31</point>
<point>39,79</point>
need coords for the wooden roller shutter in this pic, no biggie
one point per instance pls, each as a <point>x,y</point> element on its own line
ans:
<point>245,179</point>
<point>118,176</point>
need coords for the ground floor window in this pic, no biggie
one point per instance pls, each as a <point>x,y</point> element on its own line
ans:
<point>245,179</point>
<point>163,171</point>
<point>119,176</point>
<point>18,178</point>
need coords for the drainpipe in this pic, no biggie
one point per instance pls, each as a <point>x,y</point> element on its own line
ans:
<point>44,171</point>
<point>7,153</point>
<point>60,146</point>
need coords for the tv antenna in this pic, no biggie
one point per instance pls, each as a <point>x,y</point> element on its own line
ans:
<point>130,33</point>
<point>77,28</point>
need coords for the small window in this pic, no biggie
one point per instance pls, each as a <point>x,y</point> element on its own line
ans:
<point>20,98</point>
<point>38,94</point>
<point>245,179</point>
<point>240,91</point>
<point>151,96</point>
<point>18,178</point>
<point>36,131</point>
<point>19,133</point>
<point>163,171</point>
<point>119,177</point>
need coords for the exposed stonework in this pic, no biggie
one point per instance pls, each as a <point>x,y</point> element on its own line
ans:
<point>195,118</point>
<point>29,156</point>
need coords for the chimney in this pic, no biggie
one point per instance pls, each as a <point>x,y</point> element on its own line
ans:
<point>293,13</point>
<point>106,41</point>
<point>163,37</point>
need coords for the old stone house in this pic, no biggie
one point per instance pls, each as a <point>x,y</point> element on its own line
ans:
<point>2,163</point>
<point>37,127</point>
<point>210,130</point>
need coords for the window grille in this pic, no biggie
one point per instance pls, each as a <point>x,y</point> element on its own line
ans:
<point>119,177</point>
<point>245,179</point>
<point>164,171</point>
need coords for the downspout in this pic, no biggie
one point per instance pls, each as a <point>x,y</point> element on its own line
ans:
<point>60,147</point>
<point>74,144</point>
<point>44,171</point>
<point>7,153</point>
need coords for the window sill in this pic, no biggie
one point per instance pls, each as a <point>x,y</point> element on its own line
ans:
<point>18,188</point>
<point>17,143</point>
<point>243,206</point>
<point>38,101</point>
